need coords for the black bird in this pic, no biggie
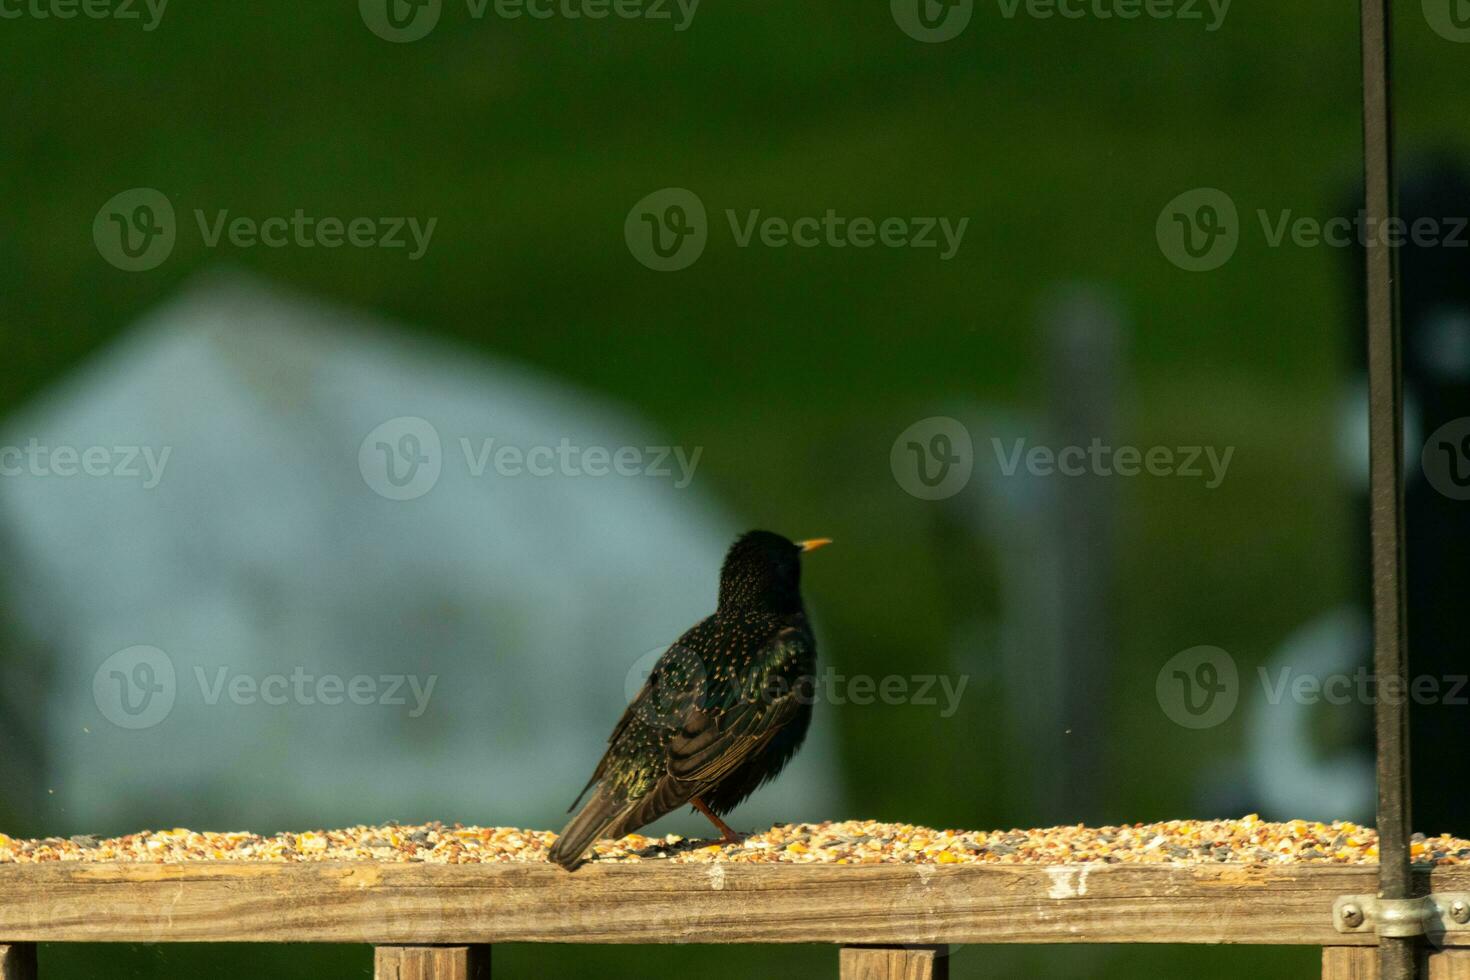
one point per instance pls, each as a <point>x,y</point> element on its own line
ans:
<point>723,710</point>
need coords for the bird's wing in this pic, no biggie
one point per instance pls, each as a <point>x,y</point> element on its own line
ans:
<point>737,719</point>
<point>722,726</point>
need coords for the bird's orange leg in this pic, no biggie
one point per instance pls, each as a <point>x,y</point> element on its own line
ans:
<point>728,836</point>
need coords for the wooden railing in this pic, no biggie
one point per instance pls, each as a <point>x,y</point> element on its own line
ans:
<point>891,920</point>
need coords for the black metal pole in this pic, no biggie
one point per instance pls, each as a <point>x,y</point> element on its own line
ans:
<point>1386,485</point>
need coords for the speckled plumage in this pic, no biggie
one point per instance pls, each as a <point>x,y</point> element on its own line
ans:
<point>723,710</point>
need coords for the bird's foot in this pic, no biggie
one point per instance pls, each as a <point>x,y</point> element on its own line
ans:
<point>727,836</point>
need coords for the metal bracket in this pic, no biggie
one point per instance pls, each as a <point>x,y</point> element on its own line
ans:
<point>1433,914</point>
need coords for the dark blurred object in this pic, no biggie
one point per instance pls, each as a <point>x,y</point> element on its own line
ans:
<point>1435,298</point>
<point>24,676</point>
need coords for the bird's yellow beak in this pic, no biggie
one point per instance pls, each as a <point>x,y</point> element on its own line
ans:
<point>813,544</point>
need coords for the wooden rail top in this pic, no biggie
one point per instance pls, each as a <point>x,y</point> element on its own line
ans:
<point>665,902</point>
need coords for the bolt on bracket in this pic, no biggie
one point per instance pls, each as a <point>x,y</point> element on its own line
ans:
<point>1403,917</point>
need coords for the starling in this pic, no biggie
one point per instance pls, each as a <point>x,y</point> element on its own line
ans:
<point>723,710</point>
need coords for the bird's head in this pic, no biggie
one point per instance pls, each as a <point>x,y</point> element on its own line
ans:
<point>762,570</point>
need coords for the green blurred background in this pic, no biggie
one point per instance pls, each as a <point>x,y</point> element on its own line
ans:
<point>1061,140</point>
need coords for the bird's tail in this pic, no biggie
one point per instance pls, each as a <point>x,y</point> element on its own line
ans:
<point>601,812</point>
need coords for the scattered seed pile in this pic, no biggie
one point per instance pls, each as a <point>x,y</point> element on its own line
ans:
<point>1249,840</point>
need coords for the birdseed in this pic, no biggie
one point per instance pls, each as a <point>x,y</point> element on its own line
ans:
<point>1178,842</point>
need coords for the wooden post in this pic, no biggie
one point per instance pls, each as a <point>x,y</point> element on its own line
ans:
<point>18,961</point>
<point>895,963</point>
<point>428,963</point>
<point>1349,963</point>
<point>1449,964</point>
<point>1361,963</point>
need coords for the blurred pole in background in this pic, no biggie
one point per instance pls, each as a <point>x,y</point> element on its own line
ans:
<point>1083,330</point>
<point>24,676</point>
<point>1055,552</point>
